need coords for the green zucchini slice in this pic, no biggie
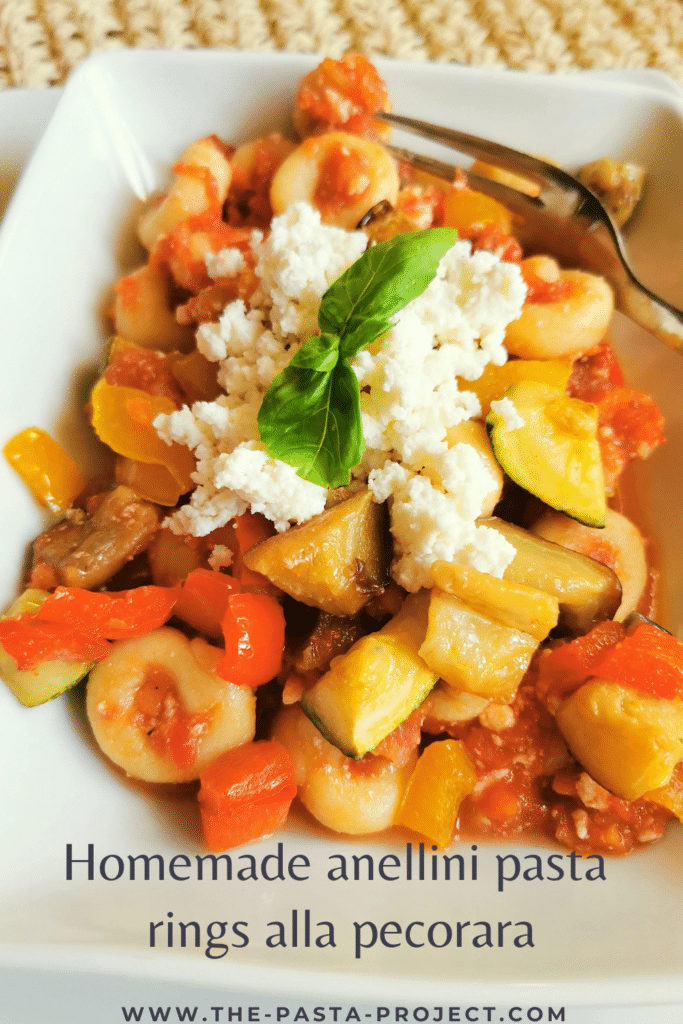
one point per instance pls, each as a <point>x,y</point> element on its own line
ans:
<point>48,679</point>
<point>555,454</point>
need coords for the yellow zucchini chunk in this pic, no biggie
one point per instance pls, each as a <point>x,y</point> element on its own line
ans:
<point>588,592</point>
<point>629,742</point>
<point>442,777</point>
<point>555,453</point>
<point>374,686</point>
<point>46,680</point>
<point>510,604</point>
<point>336,561</point>
<point>471,651</point>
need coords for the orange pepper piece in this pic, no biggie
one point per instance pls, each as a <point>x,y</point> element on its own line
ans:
<point>254,632</point>
<point>246,794</point>
<point>203,601</point>
<point>470,211</point>
<point>648,660</point>
<point>123,418</point>
<point>442,777</point>
<point>152,482</point>
<point>51,475</point>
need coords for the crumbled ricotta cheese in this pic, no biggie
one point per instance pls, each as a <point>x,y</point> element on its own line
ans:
<point>505,408</point>
<point>224,263</point>
<point>410,397</point>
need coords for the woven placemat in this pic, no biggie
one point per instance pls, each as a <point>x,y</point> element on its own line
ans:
<point>42,40</point>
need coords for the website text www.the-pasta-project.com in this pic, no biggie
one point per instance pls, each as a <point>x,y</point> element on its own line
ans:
<point>344,1014</point>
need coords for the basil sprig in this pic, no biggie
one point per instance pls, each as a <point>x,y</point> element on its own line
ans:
<point>310,415</point>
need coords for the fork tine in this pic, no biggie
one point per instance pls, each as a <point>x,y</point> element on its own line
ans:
<point>482,149</point>
<point>567,220</point>
<point>509,197</point>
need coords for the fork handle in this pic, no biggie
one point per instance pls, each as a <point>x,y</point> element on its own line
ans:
<point>649,311</point>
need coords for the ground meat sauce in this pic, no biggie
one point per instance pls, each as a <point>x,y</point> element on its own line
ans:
<point>513,766</point>
<point>530,785</point>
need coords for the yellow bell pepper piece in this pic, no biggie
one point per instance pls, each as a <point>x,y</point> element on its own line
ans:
<point>495,380</point>
<point>52,476</point>
<point>123,418</point>
<point>442,777</point>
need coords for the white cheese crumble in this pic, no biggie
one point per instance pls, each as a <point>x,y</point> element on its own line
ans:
<point>505,408</point>
<point>224,263</point>
<point>410,397</point>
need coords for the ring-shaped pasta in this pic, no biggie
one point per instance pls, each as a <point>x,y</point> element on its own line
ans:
<point>159,709</point>
<point>355,797</point>
<point>573,324</point>
<point>342,175</point>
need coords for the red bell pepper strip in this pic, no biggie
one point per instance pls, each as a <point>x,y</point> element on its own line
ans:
<point>254,635</point>
<point>648,659</point>
<point>203,600</point>
<point>245,794</point>
<point>115,616</point>
<point>73,624</point>
<point>29,642</point>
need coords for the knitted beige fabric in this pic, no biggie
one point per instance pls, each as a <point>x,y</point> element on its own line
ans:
<point>42,40</point>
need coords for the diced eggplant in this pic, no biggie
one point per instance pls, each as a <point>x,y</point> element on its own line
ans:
<point>336,561</point>
<point>588,591</point>
<point>88,548</point>
<point>511,604</point>
<point>331,636</point>
<point>383,222</point>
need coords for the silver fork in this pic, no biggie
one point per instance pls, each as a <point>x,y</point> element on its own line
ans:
<point>566,220</point>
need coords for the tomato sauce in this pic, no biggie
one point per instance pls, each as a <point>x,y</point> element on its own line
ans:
<point>158,711</point>
<point>343,178</point>
<point>630,425</point>
<point>512,767</point>
<point>144,369</point>
<point>530,784</point>
<point>343,94</point>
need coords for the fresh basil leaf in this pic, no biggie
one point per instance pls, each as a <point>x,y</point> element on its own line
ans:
<point>320,352</point>
<point>310,416</point>
<point>312,420</point>
<point>358,306</point>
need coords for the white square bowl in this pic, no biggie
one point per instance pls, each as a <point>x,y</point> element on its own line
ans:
<point>67,236</point>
